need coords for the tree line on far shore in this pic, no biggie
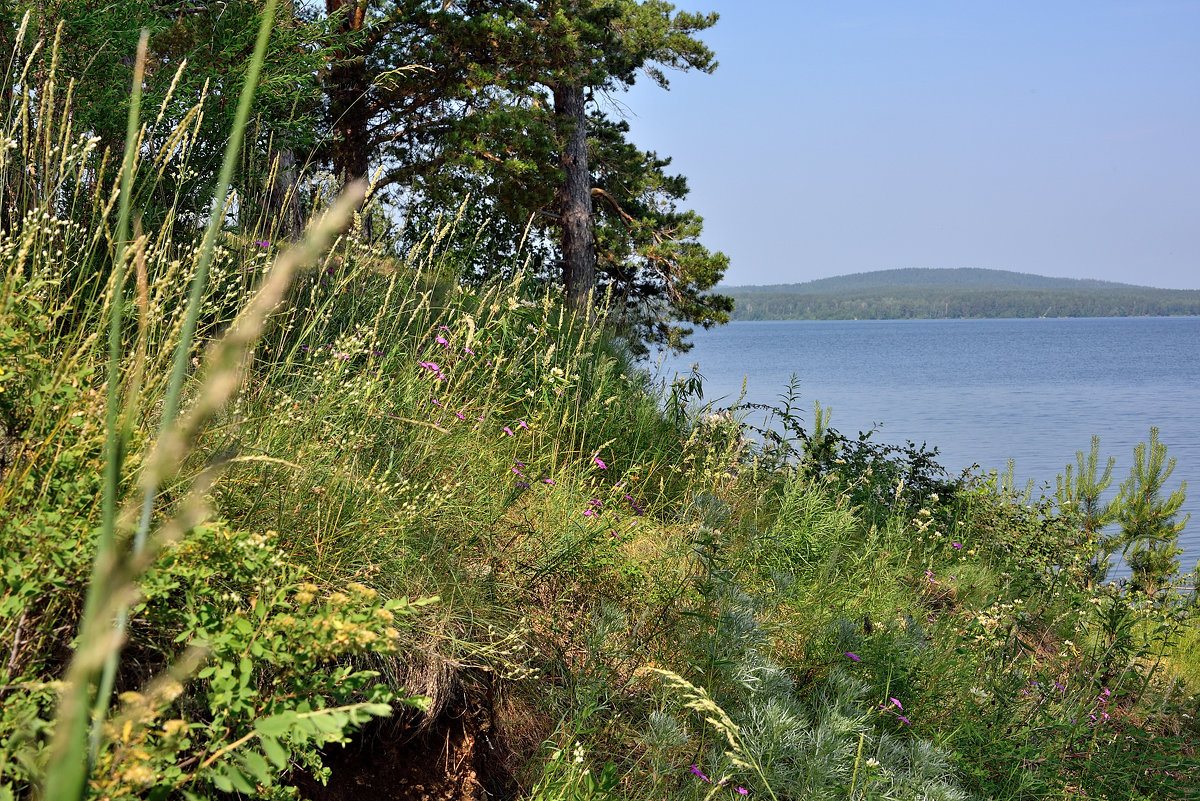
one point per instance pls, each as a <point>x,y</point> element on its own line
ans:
<point>906,303</point>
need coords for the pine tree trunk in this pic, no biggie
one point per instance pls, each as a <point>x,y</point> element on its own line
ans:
<point>346,88</point>
<point>283,201</point>
<point>575,198</point>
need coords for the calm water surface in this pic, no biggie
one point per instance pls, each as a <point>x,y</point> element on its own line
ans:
<point>982,391</point>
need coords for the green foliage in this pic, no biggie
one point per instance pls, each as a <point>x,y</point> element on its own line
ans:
<point>1080,495</point>
<point>92,43</point>
<point>634,601</point>
<point>1149,532</point>
<point>903,303</point>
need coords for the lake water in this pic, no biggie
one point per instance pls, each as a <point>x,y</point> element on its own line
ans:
<point>982,391</point>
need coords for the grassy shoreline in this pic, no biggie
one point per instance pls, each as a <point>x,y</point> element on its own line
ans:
<point>456,529</point>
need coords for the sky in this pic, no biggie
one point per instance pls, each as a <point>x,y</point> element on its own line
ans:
<point>1053,137</point>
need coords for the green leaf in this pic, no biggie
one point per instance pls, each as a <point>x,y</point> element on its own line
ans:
<point>274,751</point>
<point>331,722</point>
<point>276,725</point>
<point>378,710</point>
<point>256,766</point>
<point>239,781</point>
<point>222,782</point>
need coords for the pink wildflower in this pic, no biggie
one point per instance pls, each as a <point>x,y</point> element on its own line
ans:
<point>599,463</point>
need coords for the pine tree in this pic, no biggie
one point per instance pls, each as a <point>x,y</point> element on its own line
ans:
<point>1149,531</point>
<point>1080,495</point>
<point>496,100</point>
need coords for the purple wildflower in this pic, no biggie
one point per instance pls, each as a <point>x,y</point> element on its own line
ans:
<point>855,657</point>
<point>445,343</point>
<point>906,720</point>
<point>518,472</point>
<point>695,771</point>
<point>522,484</point>
<point>522,424</point>
<point>468,351</point>
<point>743,791</point>
<point>549,481</point>
<point>460,415</point>
<point>590,513</point>
<point>262,243</point>
<point>956,544</point>
<point>896,701</point>
<point>507,430</point>
<point>599,463</point>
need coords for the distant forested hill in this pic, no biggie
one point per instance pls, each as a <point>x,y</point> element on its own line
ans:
<point>924,293</point>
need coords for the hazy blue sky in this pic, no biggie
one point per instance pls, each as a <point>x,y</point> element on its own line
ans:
<point>1051,137</point>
